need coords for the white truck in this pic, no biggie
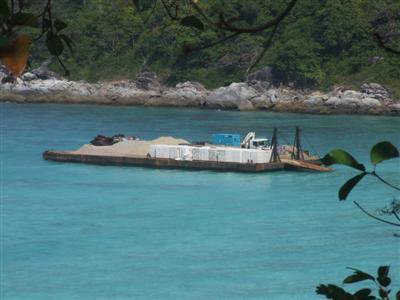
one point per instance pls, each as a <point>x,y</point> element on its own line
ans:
<point>251,142</point>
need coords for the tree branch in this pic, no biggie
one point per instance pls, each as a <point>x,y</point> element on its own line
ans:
<point>266,46</point>
<point>396,215</point>
<point>189,48</point>
<point>375,217</point>
<point>384,181</point>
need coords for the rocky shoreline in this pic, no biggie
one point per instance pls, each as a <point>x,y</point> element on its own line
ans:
<point>372,98</point>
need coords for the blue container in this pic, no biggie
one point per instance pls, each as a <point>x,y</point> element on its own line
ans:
<point>226,139</point>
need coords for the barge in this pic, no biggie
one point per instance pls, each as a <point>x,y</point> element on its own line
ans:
<point>225,153</point>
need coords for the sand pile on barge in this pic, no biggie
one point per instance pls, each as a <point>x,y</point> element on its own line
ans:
<point>128,148</point>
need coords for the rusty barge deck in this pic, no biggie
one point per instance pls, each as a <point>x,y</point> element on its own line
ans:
<point>67,156</point>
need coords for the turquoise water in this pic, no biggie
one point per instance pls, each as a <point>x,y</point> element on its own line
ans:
<point>75,231</point>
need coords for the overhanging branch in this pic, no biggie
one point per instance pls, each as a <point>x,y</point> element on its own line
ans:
<point>375,217</point>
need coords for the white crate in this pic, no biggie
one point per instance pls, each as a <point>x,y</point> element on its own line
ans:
<point>196,153</point>
<point>212,154</point>
<point>205,153</point>
<point>253,156</point>
<point>221,154</point>
<point>233,155</point>
<point>159,151</point>
<point>173,153</point>
<point>186,152</point>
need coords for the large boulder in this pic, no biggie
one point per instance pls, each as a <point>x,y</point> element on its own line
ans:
<point>371,102</point>
<point>335,101</point>
<point>375,90</point>
<point>262,102</point>
<point>350,94</point>
<point>315,100</point>
<point>185,94</point>
<point>44,73</point>
<point>231,96</point>
<point>28,76</point>
<point>395,108</point>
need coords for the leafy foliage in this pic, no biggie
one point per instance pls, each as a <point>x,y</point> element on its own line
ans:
<point>382,282</point>
<point>358,276</point>
<point>339,156</point>
<point>16,36</point>
<point>349,185</point>
<point>383,151</point>
<point>380,152</point>
<point>321,43</point>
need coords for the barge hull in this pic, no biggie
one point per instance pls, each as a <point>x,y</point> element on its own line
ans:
<point>61,156</point>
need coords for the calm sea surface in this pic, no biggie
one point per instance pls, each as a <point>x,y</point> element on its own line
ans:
<point>75,231</point>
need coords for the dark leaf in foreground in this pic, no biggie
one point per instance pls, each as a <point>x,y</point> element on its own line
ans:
<point>383,151</point>
<point>384,281</point>
<point>349,185</point>
<point>362,294</point>
<point>358,276</point>
<point>70,43</point>
<point>333,292</point>
<point>383,271</point>
<point>60,25</point>
<point>192,21</point>
<point>339,156</point>
<point>384,294</point>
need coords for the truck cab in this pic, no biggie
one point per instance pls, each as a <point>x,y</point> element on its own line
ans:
<point>251,142</point>
<point>259,144</point>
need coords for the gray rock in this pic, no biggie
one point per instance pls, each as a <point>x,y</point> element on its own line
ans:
<point>245,105</point>
<point>350,94</point>
<point>316,100</point>
<point>192,94</point>
<point>371,102</point>
<point>231,96</point>
<point>28,76</point>
<point>186,94</point>
<point>335,101</point>
<point>395,107</point>
<point>273,95</point>
<point>192,85</point>
<point>375,90</point>
<point>262,102</point>
<point>44,73</point>
<point>372,86</point>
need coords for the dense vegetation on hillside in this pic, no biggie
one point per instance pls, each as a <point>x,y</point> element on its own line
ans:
<point>320,44</point>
